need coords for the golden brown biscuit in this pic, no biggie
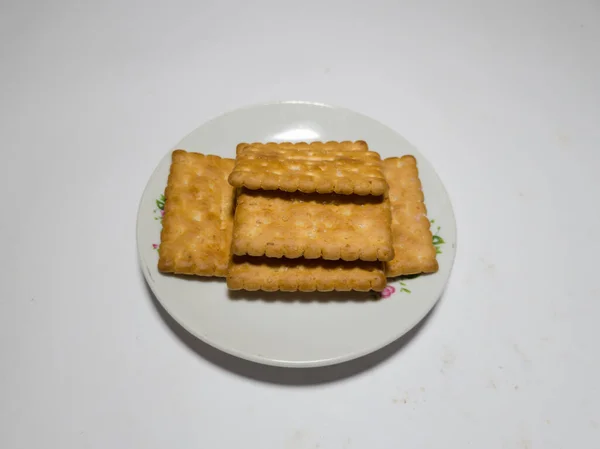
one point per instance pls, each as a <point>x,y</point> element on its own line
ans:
<point>313,170</point>
<point>332,227</point>
<point>346,145</point>
<point>413,246</point>
<point>198,219</point>
<point>263,273</point>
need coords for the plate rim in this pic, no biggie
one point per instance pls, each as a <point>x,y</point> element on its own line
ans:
<point>259,359</point>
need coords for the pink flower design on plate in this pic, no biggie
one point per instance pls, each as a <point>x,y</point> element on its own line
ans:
<point>388,291</point>
<point>154,246</point>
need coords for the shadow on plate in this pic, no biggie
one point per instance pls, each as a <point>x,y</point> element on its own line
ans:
<point>243,295</point>
<point>282,375</point>
<point>193,278</point>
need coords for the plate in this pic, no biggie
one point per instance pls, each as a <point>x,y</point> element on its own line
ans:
<point>295,329</point>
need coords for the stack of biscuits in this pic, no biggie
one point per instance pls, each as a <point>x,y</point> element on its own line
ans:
<point>288,216</point>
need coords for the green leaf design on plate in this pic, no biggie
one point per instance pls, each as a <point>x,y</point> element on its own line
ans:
<point>160,207</point>
<point>160,202</point>
<point>403,288</point>
<point>437,240</point>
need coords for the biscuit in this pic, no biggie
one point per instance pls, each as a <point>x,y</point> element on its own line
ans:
<point>198,218</point>
<point>313,170</point>
<point>263,273</point>
<point>328,226</point>
<point>346,145</point>
<point>413,245</point>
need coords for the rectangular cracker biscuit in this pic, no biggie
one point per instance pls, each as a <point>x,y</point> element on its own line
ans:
<point>263,273</point>
<point>328,226</point>
<point>198,218</point>
<point>313,170</point>
<point>332,145</point>
<point>413,245</point>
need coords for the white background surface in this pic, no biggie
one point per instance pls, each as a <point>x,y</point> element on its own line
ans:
<point>502,97</point>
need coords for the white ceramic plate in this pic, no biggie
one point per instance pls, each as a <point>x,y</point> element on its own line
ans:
<point>304,329</point>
